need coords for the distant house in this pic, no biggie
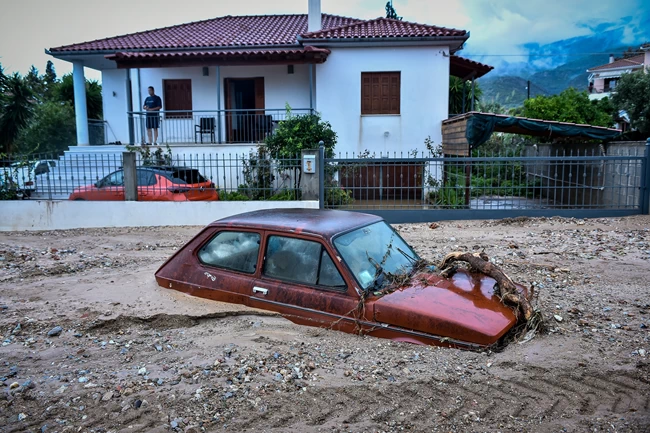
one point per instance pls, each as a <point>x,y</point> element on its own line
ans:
<point>603,78</point>
<point>383,84</point>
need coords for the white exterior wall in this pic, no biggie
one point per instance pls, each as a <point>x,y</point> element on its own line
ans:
<point>64,214</point>
<point>423,106</point>
<point>115,104</point>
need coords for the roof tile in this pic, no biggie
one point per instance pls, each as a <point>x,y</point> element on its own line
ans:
<point>629,62</point>
<point>258,30</point>
<point>383,28</point>
<point>227,31</point>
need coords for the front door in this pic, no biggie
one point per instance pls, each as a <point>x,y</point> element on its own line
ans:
<point>245,105</point>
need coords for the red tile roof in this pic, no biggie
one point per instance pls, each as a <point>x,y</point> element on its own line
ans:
<point>228,31</point>
<point>258,30</point>
<point>383,28</point>
<point>223,53</point>
<point>630,62</point>
<point>463,68</point>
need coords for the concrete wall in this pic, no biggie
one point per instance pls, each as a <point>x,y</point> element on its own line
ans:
<point>60,215</point>
<point>612,183</point>
<point>624,176</point>
<point>280,88</point>
<point>424,96</point>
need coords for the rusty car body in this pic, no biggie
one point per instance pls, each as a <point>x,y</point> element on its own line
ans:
<point>326,268</point>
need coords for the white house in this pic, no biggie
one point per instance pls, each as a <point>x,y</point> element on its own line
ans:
<point>603,78</point>
<point>383,84</point>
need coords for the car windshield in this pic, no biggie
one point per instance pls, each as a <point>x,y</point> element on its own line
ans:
<point>374,250</point>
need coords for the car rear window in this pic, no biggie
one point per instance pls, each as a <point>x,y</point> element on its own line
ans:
<point>186,175</point>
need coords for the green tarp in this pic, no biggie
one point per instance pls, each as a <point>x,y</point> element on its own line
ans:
<point>480,127</point>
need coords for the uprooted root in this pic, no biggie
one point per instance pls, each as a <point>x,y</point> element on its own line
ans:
<point>506,289</point>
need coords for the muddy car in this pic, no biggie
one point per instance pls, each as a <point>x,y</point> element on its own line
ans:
<point>342,270</point>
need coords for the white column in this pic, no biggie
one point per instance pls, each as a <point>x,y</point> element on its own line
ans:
<point>80,108</point>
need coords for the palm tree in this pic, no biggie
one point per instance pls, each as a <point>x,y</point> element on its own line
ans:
<point>65,91</point>
<point>456,94</point>
<point>16,109</point>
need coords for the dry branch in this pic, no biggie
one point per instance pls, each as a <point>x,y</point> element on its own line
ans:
<point>507,290</point>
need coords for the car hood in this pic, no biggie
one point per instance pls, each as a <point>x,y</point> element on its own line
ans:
<point>462,307</point>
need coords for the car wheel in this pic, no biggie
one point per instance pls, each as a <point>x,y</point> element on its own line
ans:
<point>79,199</point>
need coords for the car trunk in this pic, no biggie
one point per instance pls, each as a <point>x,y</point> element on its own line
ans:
<point>462,307</point>
<point>192,184</point>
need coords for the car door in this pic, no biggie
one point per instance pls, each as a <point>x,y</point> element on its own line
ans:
<point>228,262</point>
<point>300,279</point>
<point>146,181</point>
<point>110,188</point>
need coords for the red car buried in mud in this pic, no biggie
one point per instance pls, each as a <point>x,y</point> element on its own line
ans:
<point>332,269</point>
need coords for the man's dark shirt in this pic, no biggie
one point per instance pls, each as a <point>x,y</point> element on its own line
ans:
<point>153,101</point>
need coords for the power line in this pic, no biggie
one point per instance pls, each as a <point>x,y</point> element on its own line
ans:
<point>548,55</point>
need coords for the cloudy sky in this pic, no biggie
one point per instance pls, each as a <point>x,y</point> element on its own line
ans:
<point>500,29</point>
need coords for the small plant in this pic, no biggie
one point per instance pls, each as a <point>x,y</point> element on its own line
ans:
<point>258,175</point>
<point>337,196</point>
<point>232,196</point>
<point>286,195</point>
<point>157,157</point>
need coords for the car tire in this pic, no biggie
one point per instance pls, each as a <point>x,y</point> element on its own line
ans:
<point>79,199</point>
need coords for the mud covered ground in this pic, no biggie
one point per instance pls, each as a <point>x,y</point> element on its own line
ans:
<point>132,357</point>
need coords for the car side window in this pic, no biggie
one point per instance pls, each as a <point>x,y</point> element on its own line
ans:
<point>41,168</point>
<point>232,250</point>
<point>145,178</point>
<point>301,261</point>
<point>114,179</point>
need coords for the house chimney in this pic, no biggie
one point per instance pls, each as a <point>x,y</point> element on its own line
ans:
<point>611,58</point>
<point>314,17</point>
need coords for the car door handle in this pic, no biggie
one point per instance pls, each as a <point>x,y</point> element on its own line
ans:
<point>260,290</point>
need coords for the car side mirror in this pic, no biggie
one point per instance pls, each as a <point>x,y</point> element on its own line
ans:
<point>98,184</point>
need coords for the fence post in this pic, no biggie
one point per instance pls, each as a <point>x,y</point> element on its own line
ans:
<point>645,180</point>
<point>130,180</point>
<point>321,175</point>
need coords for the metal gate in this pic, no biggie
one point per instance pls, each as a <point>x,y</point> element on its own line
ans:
<point>416,188</point>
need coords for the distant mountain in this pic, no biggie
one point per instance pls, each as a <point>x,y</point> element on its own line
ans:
<point>554,67</point>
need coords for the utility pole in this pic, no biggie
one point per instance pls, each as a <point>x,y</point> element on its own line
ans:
<point>528,89</point>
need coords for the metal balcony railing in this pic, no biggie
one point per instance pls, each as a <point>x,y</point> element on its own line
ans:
<point>207,126</point>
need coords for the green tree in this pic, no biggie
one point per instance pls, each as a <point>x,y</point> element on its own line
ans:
<point>296,133</point>
<point>16,109</point>
<point>390,11</point>
<point>49,81</point>
<point>33,80</point>
<point>51,129</point>
<point>65,93</point>
<point>570,106</point>
<point>456,86</point>
<point>633,96</point>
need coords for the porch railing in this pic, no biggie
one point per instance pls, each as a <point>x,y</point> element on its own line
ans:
<point>208,126</point>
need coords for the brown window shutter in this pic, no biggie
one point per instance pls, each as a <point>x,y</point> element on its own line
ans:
<point>177,95</point>
<point>259,93</point>
<point>380,93</point>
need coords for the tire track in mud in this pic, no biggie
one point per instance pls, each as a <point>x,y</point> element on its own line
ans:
<point>534,395</point>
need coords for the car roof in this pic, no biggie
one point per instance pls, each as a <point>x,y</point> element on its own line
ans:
<point>313,221</point>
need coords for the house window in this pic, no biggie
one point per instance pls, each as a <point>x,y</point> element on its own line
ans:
<point>177,97</point>
<point>380,93</point>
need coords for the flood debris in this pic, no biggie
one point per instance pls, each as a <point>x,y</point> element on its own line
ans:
<point>507,291</point>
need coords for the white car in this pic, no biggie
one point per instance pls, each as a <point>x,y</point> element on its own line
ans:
<point>29,174</point>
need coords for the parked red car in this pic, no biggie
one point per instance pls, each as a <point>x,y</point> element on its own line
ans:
<point>330,268</point>
<point>154,184</point>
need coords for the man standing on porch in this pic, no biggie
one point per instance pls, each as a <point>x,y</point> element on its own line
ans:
<point>152,105</point>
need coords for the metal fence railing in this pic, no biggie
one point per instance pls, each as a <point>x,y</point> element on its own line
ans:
<point>208,126</point>
<point>572,180</point>
<point>533,179</point>
<point>160,176</point>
